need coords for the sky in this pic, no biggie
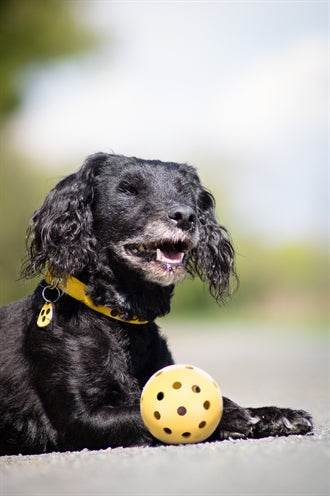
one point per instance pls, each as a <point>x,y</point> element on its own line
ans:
<point>237,88</point>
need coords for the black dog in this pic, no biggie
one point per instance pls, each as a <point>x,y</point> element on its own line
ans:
<point>113,240</point>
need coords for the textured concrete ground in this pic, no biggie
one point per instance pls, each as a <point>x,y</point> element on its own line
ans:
<point>253,367</point>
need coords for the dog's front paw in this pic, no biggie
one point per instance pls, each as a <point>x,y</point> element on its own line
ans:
<point>275,421</point>
<point>238,422</point>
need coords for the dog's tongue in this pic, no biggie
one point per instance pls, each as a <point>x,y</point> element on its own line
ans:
<point>169,255</point>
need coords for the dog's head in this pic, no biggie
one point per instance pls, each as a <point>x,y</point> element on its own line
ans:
<point>151,217</point>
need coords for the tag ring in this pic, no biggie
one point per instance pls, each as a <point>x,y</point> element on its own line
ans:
<point>59,294</point>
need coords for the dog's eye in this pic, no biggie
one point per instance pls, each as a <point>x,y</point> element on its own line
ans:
<point>128,189</point>
<point>179,186</point>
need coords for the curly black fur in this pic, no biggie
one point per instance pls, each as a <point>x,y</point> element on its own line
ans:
<point>129,229</point>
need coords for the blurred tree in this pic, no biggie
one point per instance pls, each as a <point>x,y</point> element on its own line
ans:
<point>35,32</point>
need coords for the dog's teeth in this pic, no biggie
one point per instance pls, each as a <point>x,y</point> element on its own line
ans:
<point>142,248</point>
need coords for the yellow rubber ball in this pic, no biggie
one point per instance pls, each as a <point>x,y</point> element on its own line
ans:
<point>181,404</point>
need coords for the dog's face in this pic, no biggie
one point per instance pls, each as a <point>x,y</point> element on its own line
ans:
<point>146,214</point>
<point>151,217</point>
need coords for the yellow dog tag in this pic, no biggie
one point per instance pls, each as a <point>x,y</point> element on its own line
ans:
<point>45,315</point>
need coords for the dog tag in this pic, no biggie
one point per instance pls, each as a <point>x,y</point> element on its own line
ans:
<point>45,315</point>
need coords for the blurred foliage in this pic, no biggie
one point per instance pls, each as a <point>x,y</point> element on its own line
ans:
<point>286,283</point>
<point>22,189</point>
<point>35,32</point>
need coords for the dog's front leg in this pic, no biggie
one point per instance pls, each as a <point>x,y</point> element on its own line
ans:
<point>239,422</point>
<point>105,427</point>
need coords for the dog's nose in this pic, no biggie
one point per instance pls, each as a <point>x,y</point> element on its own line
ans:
<point>183,216</point>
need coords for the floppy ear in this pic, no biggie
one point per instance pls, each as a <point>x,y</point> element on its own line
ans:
<point>61,230</point>
<point>213,258</point>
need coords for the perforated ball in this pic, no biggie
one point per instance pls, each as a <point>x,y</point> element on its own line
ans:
<point>181,404</point>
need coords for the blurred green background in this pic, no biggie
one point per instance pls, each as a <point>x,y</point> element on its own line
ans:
<point>49,45</point>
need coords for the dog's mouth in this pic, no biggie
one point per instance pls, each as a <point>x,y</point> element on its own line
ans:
<point>168,253</point>
<point>161,262</point>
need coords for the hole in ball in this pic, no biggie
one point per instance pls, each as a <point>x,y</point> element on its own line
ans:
<point>202,424</point>
<point>157,415</point>
<point>196,389</point>
<point>160,396</point>
<point>176,385</point>
<point>167,430</point>
<point>186,434</point>
<point>206,405</point>
<point>182,410</point>
<point>158,373</point>
<point>189,367</point>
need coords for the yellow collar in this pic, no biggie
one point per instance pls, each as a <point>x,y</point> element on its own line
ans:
<point>77,290</point>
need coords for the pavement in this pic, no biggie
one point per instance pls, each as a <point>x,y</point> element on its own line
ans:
<point>254,366</point>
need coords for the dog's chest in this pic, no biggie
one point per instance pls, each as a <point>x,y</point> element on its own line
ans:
<point>139,344</point>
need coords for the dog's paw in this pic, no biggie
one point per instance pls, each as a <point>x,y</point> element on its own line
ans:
<point>238,422</point>
<point>275,421</point>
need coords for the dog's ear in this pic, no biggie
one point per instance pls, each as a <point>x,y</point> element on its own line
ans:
<point>213,258</point>
<point>61,230</point>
